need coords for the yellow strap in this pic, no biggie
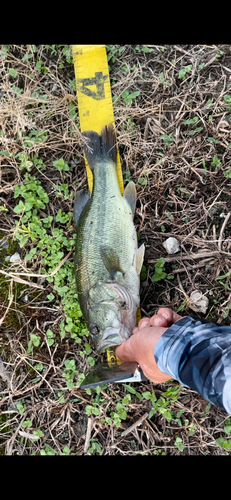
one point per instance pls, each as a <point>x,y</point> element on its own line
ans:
<point>95,101</point>
<point>112,359</point>
<point>94,95</point>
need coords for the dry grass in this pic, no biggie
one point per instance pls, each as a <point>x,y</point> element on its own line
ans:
<point>182,192</point>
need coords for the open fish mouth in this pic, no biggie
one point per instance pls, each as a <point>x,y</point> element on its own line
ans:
<point>113,337</point>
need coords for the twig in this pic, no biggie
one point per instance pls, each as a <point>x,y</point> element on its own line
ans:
<point>24,282</point>
<point>133,426</point>
<point>146,128</point>
<point>195,266</point>
<point>88,435</point>
<point>5,374</point>
<point>9,444</point>
<point>190,256</point>
<point>34,275</point>
<point>227,69</point>
<point>210,61</point>
<point>10,302</point>
<point>222,229</point>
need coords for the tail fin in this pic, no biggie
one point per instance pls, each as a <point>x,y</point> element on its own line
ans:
<point>100,147</point>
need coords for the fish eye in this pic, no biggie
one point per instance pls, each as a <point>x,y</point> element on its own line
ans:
<point>94,329</point>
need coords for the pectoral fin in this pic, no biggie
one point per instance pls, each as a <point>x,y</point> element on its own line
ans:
<point>111,261</point>
<point>139,258</point>
<point>101,292</point>
<point>130,195</point>
<point>81,199</point>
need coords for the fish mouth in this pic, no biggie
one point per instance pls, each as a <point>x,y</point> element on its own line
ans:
<point>113,337</point>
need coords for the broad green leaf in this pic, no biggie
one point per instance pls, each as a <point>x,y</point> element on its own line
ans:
<point>13,72</point>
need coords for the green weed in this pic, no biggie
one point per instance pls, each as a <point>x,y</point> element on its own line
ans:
<point>47,450</point>
<point>50,337</point>
<point>160,405</point>
<point>193,122</point>
<point>114,52</point>
<point>13,72</point>
<point>143,274</point>
<point>179,443</point>
<point>35,137</point>
<point>21,407</point>
<point>223,442</point>
<point>182,306</point>
<point>222,277</point>
<point>184,72</point>
<point>227,173</point>
<point>160,273</point>
<point>216,162</point>
<point>61,165</point>
<point>70,373</point>
<point>95,448</point>
<point>34,341</point>
<point>27,423</point>
<point>119,414</point>
<point>143,48</point>
<point>168,139</point>
<point>92,409</point>
<point>50,243</point>
<point>128,97</point>
<point>38,433</point>
<point>163,81</point>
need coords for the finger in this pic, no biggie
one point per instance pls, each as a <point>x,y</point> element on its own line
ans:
<point>158,320</point>
<point>168,314</point>
<point>125,350</point>
<point>143,323</point>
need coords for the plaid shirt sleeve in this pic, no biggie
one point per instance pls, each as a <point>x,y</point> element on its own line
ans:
<point>198,354</point>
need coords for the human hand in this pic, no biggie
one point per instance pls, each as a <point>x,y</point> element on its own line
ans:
<point>141,345</point>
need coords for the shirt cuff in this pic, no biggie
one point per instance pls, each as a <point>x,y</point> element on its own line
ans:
<point>170,346</point>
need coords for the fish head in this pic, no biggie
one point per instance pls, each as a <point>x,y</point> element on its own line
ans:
<point>112,314</point>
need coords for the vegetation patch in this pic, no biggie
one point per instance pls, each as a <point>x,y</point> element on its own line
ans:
<point>172,107</point>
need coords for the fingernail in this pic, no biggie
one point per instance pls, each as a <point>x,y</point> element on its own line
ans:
<point>144,324</point>
<point>158,322</point>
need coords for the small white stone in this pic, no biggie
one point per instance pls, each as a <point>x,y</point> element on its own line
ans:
<point>15,258</point>
<point>171,245</point>
<point>199,302</point>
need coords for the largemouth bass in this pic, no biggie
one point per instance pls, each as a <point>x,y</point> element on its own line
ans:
<point>107,258</point>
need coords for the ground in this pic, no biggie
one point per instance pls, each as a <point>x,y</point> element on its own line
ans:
<point>172,107</point>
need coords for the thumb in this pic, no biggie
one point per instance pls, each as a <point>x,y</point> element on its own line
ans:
<point>126,351</point>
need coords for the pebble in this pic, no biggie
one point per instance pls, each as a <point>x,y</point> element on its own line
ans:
<point>15,258</point>
<point>199,302</point>
<point>171,245</point>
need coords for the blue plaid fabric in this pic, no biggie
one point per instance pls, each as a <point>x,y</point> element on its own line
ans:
<point>198,354</point>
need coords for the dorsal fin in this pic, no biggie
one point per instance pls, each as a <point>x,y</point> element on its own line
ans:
<point>130,196</point>
<point>81,199</point>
